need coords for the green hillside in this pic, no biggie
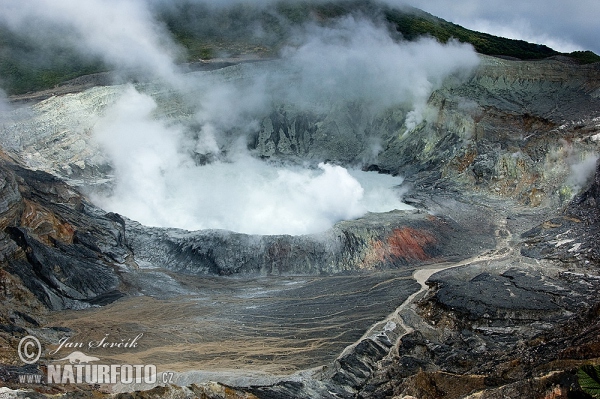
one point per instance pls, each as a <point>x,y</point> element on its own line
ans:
<point>205,32</point>
<point>414,23</point>
<point>26,66</point>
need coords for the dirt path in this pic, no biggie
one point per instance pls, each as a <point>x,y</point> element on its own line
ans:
<point>502,251</point>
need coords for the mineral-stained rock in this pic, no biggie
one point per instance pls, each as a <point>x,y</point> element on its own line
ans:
<point>571,236</point>
<point>42,246</point>
<point>374,242</point>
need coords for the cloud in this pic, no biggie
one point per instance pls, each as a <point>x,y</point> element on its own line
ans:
<point>354,59</point>
<point>565,25</point>
<point>522,29</point>
<point>351,60</point>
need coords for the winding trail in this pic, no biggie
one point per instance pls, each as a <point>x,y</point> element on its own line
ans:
<point>502,251</point>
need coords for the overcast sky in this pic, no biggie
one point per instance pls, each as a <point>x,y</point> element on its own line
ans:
<point>562,25</point>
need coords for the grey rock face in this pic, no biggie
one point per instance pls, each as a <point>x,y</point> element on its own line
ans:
<point>375,242</point>
<point>570,236</point>
<point>341,134</point>
<point>513,295</point>
<point>53,245</point>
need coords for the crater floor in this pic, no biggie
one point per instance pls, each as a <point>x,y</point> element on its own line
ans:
<point>272,324</point>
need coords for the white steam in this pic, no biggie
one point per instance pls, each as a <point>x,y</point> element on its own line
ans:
<point>349,61</point>
<point>122,32</point>
<point>355,60</point>
<point>582,171</point>
<point>4,105</point>
<point>158,184</point>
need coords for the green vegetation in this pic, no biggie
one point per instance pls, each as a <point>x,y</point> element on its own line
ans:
<point>413,23</point>
<point>26,66</point>
<point>585,57</point>
<point>589,380</point>
<point>207,32</point>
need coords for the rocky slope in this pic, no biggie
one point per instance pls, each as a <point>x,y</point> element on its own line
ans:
<point>505,212</point>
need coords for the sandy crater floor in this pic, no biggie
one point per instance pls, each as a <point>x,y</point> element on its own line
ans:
<point>275,325</point>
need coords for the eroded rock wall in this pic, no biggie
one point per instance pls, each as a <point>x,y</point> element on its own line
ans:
<point>375,242</point>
